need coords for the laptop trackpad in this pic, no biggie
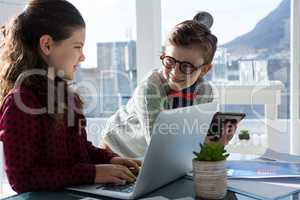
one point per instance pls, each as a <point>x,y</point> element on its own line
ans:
<point>128,188</point>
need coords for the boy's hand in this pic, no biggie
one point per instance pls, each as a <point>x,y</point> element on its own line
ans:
<point>227,134</point>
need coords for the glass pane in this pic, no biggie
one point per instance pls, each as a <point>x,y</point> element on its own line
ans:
<point>9,8</point>
<point>253,54</point>
<point>108,75</point>
<point>253,42</point>
<point>298,21</point>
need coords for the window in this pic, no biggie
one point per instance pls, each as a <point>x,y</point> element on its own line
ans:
<point>10,8</point>
<point>295,82</point>
<point>253,43</point>
<point>251,65</point>
<point>108,75</point>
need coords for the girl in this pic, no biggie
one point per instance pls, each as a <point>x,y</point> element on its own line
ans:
<point>41,123</point>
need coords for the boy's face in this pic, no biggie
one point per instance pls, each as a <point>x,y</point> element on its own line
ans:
<point>176,79</point>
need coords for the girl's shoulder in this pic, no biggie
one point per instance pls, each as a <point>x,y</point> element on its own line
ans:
<point>21,97</point>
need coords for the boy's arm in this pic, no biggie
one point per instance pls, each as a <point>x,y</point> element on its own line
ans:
<point>149,103</point>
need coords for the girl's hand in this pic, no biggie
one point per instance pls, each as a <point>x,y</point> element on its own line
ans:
<point>116,174</point>
<point>103,145</point>
<point>132,164</point>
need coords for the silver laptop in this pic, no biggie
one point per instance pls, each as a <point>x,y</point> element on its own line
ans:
<point>176,134</point>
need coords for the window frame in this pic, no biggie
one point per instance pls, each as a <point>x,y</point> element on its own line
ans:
<point>295,78</point>
<point>148,41</point>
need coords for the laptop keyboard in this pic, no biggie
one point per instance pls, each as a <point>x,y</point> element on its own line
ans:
<point>128,188</point>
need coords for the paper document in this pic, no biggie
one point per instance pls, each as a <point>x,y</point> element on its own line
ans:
<point>262,169</point>
<point>271,164</point>
<point>277,156</point>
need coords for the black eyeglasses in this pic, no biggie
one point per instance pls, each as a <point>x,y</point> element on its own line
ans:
<point>185,67</point>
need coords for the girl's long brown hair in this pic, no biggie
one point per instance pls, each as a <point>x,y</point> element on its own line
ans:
<point>19,50</point>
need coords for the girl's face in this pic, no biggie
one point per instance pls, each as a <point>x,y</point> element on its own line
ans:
<point>65,56</point>
<point>183,56</point>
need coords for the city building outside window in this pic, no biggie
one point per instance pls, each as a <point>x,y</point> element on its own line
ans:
<point>108,77</point>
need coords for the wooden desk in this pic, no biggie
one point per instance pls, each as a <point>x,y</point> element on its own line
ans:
<point>181,189</point>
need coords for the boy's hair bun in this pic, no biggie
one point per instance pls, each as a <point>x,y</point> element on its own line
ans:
<point>204,18</point>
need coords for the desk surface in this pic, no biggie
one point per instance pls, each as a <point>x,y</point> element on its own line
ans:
<point>181,189</point>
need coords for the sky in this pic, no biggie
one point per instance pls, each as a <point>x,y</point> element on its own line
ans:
<point>232,18</point>
<point>115,20</point>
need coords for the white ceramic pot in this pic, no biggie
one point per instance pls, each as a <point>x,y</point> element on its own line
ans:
<point>210,179</point>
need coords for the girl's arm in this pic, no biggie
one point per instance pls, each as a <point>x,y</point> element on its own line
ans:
<point>23,152</point>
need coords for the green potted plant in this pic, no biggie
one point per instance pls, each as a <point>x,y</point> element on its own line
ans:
<point>209,171</point>
<point>244,134</point>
